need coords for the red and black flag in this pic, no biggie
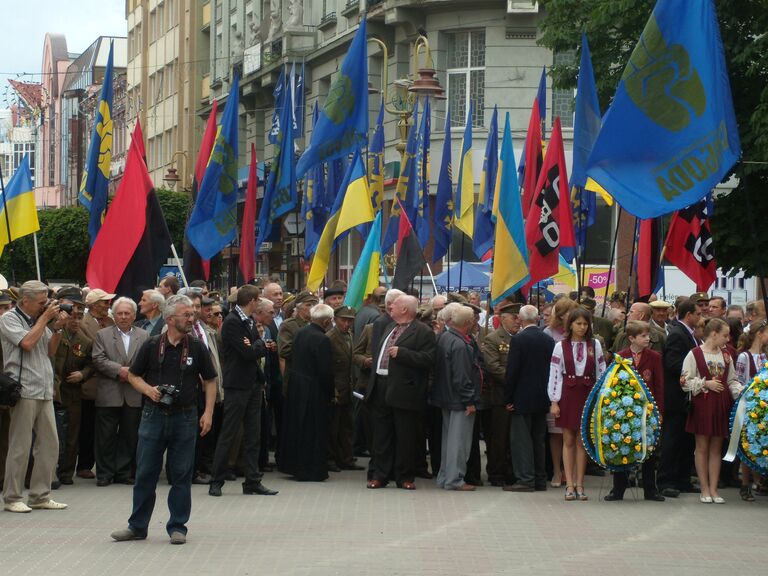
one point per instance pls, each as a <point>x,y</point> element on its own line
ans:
<point>533,158</point>
<point>248,231</point>
<point>195,268</point>
<point>549,224</point>
<point>689,245</point>
<point>648,258</point>
<point>134,241</point>
<point>410,257</point>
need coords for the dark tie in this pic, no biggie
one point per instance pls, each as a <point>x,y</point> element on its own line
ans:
<point>579,351</point>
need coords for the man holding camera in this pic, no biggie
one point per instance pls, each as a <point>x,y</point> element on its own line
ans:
<point>28,345</point>
<point>167,370</point>
<point>118,405</point>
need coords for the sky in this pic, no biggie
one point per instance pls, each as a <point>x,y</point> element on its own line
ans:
<point>26,23</point>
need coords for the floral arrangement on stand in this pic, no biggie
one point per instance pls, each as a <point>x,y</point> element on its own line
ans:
<point>621,425</point>
<point>749,425</point>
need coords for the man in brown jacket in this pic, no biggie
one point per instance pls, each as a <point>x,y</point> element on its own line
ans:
<point>342,424</point>
<point>494,348</point>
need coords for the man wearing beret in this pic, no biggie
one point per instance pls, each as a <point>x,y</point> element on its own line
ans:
<point>72,366</point>
<point>342,424</point>
<point>494,348</point>
<point>288,330</point>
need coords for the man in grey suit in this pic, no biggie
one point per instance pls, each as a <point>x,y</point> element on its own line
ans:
<point>118,404</point>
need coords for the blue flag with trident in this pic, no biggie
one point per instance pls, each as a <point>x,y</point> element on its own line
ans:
<point>94,185</point>
<point>670,134</point>
<point>343,123</point>
<point>214,217</point>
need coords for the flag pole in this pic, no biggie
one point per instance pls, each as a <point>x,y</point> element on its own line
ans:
<point>461,262</point>
<point>448,285</point>
<point>613,255</point>
<point>432,277</point>
<point>8,228</point>
<point>37,256</point>
<point>178,264</point>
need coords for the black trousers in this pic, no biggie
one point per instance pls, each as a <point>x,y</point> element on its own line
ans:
<point>395,434</point>
<point>497,444</point>
<point>117,434</point>
<point>206,445</point>
<point>677,448</point>
<point>240,407</point>
<point>621,479</point>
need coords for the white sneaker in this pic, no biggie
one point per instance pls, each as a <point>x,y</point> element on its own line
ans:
<point>19,507</point>
<point>47,505</point>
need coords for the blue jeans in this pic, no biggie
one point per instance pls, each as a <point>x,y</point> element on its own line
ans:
<point>160,431</point>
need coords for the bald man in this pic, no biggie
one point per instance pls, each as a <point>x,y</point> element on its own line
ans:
<point>642,312</point>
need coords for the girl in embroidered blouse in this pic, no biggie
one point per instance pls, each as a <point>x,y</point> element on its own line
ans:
<point>577,363</point>
<point>709,375</point>
<point>555,328</point>
<point>750,361</point>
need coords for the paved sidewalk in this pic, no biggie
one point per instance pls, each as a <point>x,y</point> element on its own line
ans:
<point>340,527</point>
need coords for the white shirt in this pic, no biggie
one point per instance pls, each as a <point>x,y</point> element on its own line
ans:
<point>200,333</point>
<point>126,337</point>
<point>557,366</point>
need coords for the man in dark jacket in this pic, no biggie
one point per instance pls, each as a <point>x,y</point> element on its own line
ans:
<point>456,391</point>
<point>676,444</point>
<point>402,358</point>
<point>530,352</point>
<point>242,352</point>
<point>306,415</point>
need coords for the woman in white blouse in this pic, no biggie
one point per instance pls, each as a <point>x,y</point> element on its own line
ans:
<point>710,376</point>
<point>577,363</point>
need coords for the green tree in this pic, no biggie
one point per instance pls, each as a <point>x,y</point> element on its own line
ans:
<point>613,28</point>
<point>176,207</point>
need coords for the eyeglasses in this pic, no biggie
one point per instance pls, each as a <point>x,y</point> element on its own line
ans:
<point>217,314</point>
<point>185,315</point>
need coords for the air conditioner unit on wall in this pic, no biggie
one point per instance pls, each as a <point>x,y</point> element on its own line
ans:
<point>522,7</point>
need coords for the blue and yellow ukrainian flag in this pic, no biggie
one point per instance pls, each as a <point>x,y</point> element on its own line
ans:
<point>485,222</point>
<point>351,208</point>
<point>464,218</point>
<point>19,201</point>
<point>214,217</point>
<point>510,262</point>
<point>444,197</point>
<point>365,278</point>
<point>94,185</point>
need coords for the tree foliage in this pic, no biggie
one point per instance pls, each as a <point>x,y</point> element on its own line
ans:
<point>613,28</point>
<point>63,241</point>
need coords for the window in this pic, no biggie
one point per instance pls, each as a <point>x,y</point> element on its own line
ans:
<point>160,21</point>
<point>466,76</point>
<point>562,100</point>
<point>170,13</point>
<point>159,86</point>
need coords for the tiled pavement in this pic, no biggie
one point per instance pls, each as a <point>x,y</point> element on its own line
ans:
<point>340,527</point>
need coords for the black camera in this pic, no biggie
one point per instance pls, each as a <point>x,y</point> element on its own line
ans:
<point>65,307</point>
<point>168,394</point>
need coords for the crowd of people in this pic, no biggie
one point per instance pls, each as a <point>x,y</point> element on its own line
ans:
<point>214,386</point>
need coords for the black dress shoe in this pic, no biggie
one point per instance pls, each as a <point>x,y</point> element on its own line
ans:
<point>66,481</point>
<point>352,467</point>
<point>654,497</point>
<point>214,490</point>
<point>333,468</point>
<point>540,488</point>
<point>671,492</point>
<point>126,481</point>
<point>611,497</point>
<point>55,485</point>
<point>424,474</point>
<point>259,489</point>
<point>103,481</point>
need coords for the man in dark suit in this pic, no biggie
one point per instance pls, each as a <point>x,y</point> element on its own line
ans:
<point>304,451</point>
<point>151,308</point>
<point>402,358</point>
<point>241,355</point>
<point>676,444</point>
<point>274,409</point>
<point>530,352</point>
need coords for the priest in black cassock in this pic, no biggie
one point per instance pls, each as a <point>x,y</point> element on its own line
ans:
<point>306,412</point>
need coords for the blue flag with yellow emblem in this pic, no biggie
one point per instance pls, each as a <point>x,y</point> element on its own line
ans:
<point>314,210</point>
<point>485,219</point>
<point>280,192</point>
<point>94,185</point>
<point>343,122</point>
<point>670,134</point>
<point>213,220</point>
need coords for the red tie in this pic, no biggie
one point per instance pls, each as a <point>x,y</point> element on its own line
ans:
<point>579,351</point>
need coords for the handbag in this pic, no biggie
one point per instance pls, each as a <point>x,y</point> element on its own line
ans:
<point>10,387</point>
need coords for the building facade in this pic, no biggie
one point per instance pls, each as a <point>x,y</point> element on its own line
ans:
<point>165,67</point>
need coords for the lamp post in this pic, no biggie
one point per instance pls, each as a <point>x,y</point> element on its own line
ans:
<point>172,177</point>
<point>406,90</point>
